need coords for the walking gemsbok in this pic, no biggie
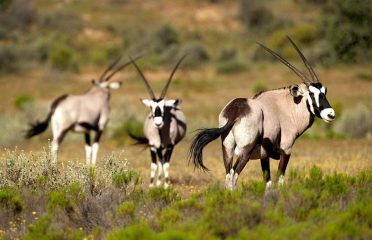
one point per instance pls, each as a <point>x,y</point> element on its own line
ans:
<point>267,125</point>
<point>81,113</point>
<point>164,127</point>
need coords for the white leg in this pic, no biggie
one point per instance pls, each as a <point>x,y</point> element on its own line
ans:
<point>268,185</point>
<point>166,175</point>
<point>88,154</point>
<point>234,180</point>
<point>95,148</point>
<point>229,179</point>
<point>281,180</point>
<point>154,166</point>
<point>54,152</point>
<point>160,170</point>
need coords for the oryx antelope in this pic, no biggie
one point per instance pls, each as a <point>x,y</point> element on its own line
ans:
<point>81,113</point>
<point>267,125</point>
<point>164,127</point>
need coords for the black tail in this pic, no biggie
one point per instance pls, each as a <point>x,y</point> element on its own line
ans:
<point>139,139</point>
<point>39,127</point>
<point>202,139</point>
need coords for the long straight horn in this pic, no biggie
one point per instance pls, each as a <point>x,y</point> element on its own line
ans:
<point>165,89</point>
<point>109,68</point>
<point>311,70</point>
<point>144,79</point>
<point>120,68</point>
<point>285,62</point>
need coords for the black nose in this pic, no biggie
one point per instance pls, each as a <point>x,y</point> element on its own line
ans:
<point>331,116</point>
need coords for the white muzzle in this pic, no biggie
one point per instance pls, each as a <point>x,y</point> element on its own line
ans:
<point>328,115</point>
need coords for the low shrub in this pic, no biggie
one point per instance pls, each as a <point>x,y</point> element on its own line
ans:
<point>163,195</point>
<point>364,76</point>
<point>63,57</point>
<point>134,232</point>
<point>346,28</point>
<point>22,101</point>
<point>42,229</point>
<point>9,199</point>
<point>17,14</point>
<point>126,208</point>
<point>231,66</point>
<point>132,125</point>
<point>8,59</point>
<point>61,20</point>
<point>355,122</point>
<point>259,87</point>
<point>197,54</point>
<point>255,15</point>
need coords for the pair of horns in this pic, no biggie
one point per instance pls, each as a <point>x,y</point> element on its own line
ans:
<point>314,77</point>
<point>165,89</point>
<point>104,78</point>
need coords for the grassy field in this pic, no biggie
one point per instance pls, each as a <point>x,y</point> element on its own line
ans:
<point>327,196</point>
<point>49,48</point>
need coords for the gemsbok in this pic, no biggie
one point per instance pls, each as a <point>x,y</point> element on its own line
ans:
<point>164,127</point>
<point>267,125</point>
<point>81,113</point>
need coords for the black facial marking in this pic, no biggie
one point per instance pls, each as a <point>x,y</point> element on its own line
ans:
<point>157,112</point>
<point>317,85</point>
<point>323,102</point>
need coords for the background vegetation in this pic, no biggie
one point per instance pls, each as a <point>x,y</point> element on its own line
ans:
<point>48,48</point>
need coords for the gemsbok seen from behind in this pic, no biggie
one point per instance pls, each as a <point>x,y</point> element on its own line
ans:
<point>85,113</point>
<point>267,125</point>
<point>164,127</point>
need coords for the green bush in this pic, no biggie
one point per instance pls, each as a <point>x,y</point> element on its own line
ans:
<point>42,230</point>
<point>123,179</point>
<point>61,20</point>
<point>17,14</point>
<point>164,37</point>
<point>197,55</point>
<point>8,59</point>
<point>255,15</point>
<point>346,27</point>
<point>364,76</point>
<point>356,122</point>
<point>23,100</point>
<point>163,195</point>
<point>130,125</point>
<point>9,199</point>
<point>135,232</point>
<point>227,54</point>
<point>259,87</point>
<point>126,208</point>
<point>66,198</point>
<point>231,66</point>
<point>63,57</point>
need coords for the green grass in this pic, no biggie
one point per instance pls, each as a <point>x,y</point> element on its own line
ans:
<point>312,204</point>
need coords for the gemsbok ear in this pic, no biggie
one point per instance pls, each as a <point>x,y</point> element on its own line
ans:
<point>172,102</point>
<point>146,102</point>
<point>114,85</point>
<point>295,90</point>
